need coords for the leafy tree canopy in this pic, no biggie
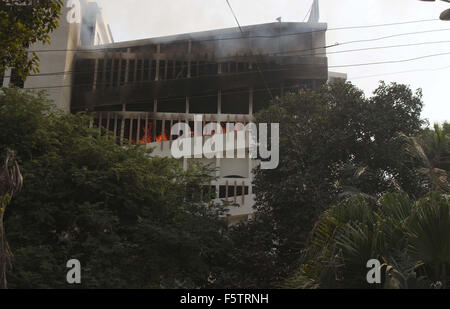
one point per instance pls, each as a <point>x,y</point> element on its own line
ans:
<point>334,143</point>
<point>133,221</point>
<point>409,237</point>
<point>23,23</point>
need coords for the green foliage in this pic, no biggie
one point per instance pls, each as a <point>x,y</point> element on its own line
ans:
<point>23,23</point>
<point>334,143</point>
<point>411,238</point>
<point>130,219</point>
<point>431,153</point>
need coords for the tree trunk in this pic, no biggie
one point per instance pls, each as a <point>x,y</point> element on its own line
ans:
<point>3,253</point>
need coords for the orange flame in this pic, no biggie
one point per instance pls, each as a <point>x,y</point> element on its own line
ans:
<point>148,131</point>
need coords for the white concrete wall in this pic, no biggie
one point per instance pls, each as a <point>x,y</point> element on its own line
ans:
<point>57,60</point>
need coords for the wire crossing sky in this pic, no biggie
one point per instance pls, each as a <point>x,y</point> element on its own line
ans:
<point>139,19</point>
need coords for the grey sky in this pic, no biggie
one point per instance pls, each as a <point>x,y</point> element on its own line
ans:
<point>138,19</point>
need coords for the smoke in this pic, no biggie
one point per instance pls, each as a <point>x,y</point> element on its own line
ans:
<point>139,19</point>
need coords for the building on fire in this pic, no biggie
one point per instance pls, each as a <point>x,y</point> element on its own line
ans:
<point>139,89</point>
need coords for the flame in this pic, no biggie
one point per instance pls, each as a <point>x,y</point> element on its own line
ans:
<point>165,136</point>
<point>149,132</point>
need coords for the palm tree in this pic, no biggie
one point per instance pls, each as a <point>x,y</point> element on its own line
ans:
<point>431,149</point>
<point>410,238</point>
<point>10,183</point>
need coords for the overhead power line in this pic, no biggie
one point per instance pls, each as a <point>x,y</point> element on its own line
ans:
<point>289,51</point>
<point>389,62</point>
<point>401,72</point>
<point>251,52</point>
<point>290,68</point>
<point>252,36</point>
<point>365,40</point>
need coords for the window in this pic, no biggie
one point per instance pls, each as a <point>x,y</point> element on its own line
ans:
<point>84,75</point>
<point>204,104</point>
<point>235,101</point>
<point>231,191</point>
<point>172,105</point>
<point>131,70</point>
<point>16,80</point>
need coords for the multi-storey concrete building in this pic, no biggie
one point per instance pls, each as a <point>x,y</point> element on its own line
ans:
<point>139,89</point>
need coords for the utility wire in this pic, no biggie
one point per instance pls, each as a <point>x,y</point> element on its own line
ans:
<point>291,67</point>
<point>365,40</point>
<point>389,62</point>
<point>401,72</point>
<point>251,52</point>
<point>290,51</point>
<point>304,50</point>
<point>382,47</point>
<point>246,37</point>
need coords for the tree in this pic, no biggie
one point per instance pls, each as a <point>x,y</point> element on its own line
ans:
<point>332,141</point>
<point>408,237</point>
<point>133,221</point>
<point>23,23</point>
<point>10,184</point>
<point>431,151</point>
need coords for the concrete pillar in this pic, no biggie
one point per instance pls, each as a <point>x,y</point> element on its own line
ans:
<point>158,56</point>
<point>189,58</point>
<point>127,66</point>
<point>94,84</point>
<point>7,77</point>
<point>219,102</point>
<point>250,103</point>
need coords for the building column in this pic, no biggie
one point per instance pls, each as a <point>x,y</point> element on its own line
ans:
<point>189,58</point>
<point>127,66</point>
<point>7,77</point>
<point>250,103</point>
<point>187,105</point>
<point>219,102</point>
<point>122,126</point>
<point>158,56</point>
<point>155,110</point>
<point>94,84</point>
